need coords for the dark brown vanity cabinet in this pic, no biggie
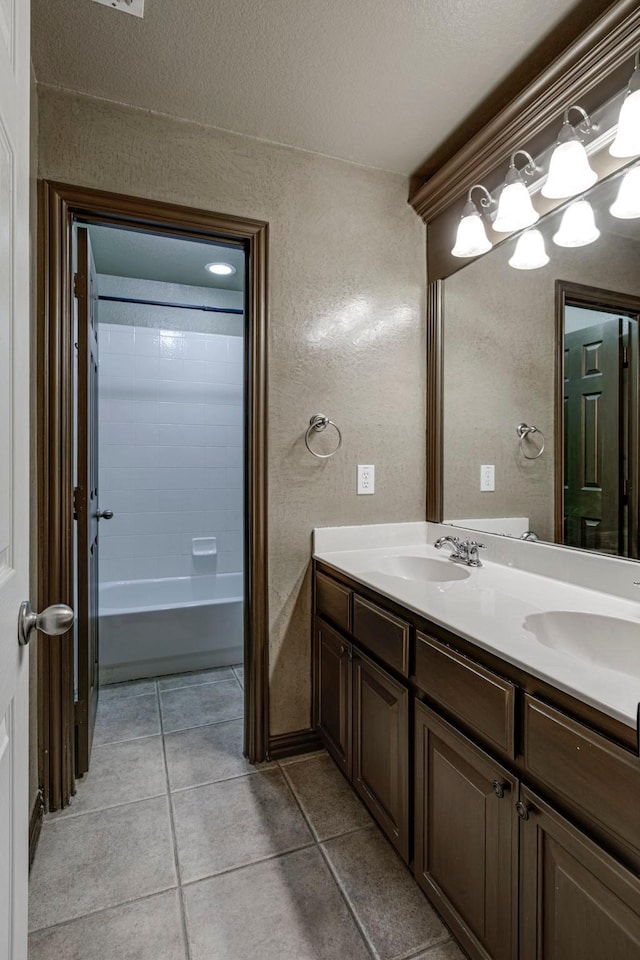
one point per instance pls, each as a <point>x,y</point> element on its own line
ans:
<point>532,856</point>
<point>576,902</point>
<point>380,768</point>
<point>362,713</point>
<point>332,693</point>
<point>466,836</point>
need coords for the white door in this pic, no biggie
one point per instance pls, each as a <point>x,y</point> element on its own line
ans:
<point>14,471</point>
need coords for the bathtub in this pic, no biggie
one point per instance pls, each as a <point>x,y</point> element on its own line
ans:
<point>154,627</point>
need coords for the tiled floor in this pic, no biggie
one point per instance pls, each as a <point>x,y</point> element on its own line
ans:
<point>175,848</point>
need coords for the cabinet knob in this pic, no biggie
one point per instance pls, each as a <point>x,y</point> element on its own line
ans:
<point>498,788</point>
<point>522,810</point>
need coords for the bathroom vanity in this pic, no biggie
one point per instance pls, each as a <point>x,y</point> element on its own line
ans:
<point>489,733</point>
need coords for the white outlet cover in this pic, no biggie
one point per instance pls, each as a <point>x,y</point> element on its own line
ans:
<point>134,7</point>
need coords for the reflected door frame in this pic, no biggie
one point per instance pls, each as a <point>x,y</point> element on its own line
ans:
<point>60,206</point>
<point>609,301</point>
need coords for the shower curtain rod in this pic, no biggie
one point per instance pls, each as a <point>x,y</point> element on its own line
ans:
<point>166,303</point>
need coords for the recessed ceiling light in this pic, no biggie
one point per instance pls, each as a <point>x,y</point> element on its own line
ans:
<point>221,269</point>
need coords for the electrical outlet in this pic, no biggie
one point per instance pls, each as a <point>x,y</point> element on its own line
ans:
<point>487,477</point>
<point>134,7</point>
<point>366,478</point>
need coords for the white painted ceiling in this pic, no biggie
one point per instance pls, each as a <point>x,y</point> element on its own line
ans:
<point>378,82</point>
<point>147,256</point>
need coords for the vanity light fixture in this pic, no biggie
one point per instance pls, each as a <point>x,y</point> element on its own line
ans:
<point>530,253</point>
<point>515,209</point>
<point>578,226</point>
<point>627,139</point>
<point>221,269</point>
<point>569,170</point>
<point>626,206</point>
<point>471,238</point>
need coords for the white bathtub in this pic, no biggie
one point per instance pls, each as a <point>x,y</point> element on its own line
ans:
<point>153,627</point>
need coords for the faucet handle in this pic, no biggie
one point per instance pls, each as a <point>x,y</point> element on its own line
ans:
<point>477,546</point>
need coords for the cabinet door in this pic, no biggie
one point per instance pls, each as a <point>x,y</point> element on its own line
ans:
<point>332,695</point>
<point>466,837</point>
<point>381,748</point>
<point>577,902</point>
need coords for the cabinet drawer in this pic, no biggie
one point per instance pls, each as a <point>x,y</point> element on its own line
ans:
<point>382,633</point>
<point>594,775</point>
<point>333,602</point>
<point>481,699</point>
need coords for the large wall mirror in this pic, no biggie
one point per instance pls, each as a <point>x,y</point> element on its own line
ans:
<point>533,408</point>
<point>553,346</point>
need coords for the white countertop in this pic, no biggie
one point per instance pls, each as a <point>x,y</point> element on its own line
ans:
<point>490,608</point>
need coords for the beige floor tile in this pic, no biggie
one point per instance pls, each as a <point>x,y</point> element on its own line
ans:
<point>130,688</point>
<point>328,802</point>
<point>282,909</point>
<point>198,705</point>
<point>99,860</point>
<point>394,913</point>
<point>207,754</point>
<point>126,718</point>
<point>236,822</point>
<point>119,773</point>
<point>194,679</point>
<point>148,929</point>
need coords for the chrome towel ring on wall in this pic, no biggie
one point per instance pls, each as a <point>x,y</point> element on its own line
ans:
<point>524,430</point>
<point>318,424</point>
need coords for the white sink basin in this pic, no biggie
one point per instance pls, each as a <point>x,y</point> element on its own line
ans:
<point>422,569</point>
<point>610,642</point>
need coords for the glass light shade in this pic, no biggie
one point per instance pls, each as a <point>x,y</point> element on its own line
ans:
<point>569,171</point>
<point>577,227</point>
<point>626,206</point>
<point>530,252</point>
<point>471,239</point>
<point>515,209</point>
<point>627,139</point>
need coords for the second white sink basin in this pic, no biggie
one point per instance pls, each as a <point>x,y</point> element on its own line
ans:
<point>424,569</point>
<point>610,642</point>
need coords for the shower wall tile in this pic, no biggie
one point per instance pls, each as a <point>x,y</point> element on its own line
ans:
<point>171,450</point>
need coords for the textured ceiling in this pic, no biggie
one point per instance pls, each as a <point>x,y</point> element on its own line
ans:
<point>379,82</point>
<point>147,256</point>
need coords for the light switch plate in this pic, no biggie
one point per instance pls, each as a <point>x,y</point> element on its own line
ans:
<point>487,477</point>
<point>134,7</point>
<point>366,478</point>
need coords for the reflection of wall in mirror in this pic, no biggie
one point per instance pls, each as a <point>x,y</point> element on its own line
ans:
<point>499,370</point>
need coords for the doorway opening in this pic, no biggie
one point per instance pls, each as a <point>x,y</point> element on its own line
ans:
<point>152,471</point>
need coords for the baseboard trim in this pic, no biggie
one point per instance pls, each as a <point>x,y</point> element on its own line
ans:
<point>289,744</point>
<point>35,825</point>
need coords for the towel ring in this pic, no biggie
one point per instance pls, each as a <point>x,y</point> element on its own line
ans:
<point>317,424</point>
<point>524,430</point>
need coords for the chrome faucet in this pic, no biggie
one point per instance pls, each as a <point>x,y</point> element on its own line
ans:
<point>463,551</point>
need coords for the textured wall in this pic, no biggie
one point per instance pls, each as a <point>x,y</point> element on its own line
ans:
<point>346,328</point>
<point>500,370</point>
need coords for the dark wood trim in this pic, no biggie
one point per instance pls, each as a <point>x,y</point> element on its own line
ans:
<point>35,825</point>
<point>291,744</point>
<point>59,205</point>
<point>594,298</point>
<point>600,50</point>
<point>435,365</point>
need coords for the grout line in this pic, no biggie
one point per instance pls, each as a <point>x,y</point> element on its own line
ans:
<point>174,839</point>
<point>100,910</point>
<point>419,954</point>
<point>368,945</point>
<point>111,806</point>
<point>212,783</point>
<point>189,686</point>
<point>197,726</point>
<point>252,863</point>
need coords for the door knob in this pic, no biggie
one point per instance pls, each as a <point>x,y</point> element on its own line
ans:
<point>55,620</point>
<point>104,514</point>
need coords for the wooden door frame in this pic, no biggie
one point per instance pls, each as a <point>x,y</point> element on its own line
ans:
<point>590,298</point>
<point>59,205</point>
